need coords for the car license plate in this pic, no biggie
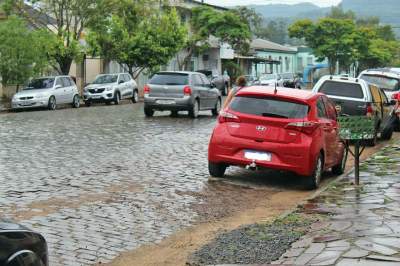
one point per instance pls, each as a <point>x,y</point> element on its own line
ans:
<point>256,155</point>
<point>96,96</point>
<point>26,103</point>
<point>165,101</point>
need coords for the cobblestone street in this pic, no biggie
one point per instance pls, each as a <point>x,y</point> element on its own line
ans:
<point>102,180</point>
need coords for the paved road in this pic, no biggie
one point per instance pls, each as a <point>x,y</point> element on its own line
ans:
<point>102,180</point>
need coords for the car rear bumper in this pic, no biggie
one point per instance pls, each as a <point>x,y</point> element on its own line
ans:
<point>293,157</point>
<point>175,104</point>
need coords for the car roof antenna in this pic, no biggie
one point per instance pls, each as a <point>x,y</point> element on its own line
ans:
<point>276,90</point>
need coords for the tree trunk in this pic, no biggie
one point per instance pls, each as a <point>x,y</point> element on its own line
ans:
<point>64,64</point>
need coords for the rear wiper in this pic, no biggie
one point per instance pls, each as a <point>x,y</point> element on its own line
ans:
<point>274,115</point>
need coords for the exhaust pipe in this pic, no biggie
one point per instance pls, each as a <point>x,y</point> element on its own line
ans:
<point>252,166</point>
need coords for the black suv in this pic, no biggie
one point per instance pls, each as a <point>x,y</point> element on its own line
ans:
<point>356,97</point>
<point>20,246</point>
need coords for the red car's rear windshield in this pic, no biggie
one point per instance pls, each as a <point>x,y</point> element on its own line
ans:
<point>268,107</point>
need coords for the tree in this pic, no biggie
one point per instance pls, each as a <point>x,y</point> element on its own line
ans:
<point>227,26</point>
<point>337,12</point>
<point>140,37</point>
<point>330,38</point>
<point>250,16</point>
<point>21,53</point>
<point>275,31</point>
<point>65,19</point>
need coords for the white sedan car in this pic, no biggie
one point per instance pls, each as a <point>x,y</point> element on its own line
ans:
<point>269,80</point>
<point>47,92</point>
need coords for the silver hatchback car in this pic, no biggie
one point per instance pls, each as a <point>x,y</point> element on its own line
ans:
<point>181,91</point>
<point>47,92</point>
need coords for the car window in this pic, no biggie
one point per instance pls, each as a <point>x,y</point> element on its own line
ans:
<point>104,79</point>
<point>59,82</point>
<point>197,81</point>
<point>66,82</point>
<point>268,107</point>
<point>170,79</point>
<point>330,108</point>
<point>386,83</point>
<point>71,81</point>
<point>127,77</point>
<point>321,112</point>
<point>376,97</point>
<point>343,89</point>
<point>205,80</point>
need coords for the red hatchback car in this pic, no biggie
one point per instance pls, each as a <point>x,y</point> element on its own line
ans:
<point>286,129</point>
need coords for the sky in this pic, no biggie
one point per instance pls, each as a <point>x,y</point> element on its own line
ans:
<point>323,3</point>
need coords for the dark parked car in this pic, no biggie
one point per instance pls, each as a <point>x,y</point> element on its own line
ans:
<point>20,246</point>
<point>291,80</point>
<point>221,82</point>
<point>358,97</point>
<point>181,91</point>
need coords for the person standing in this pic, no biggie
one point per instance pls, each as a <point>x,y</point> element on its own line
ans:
<point>240,84</point>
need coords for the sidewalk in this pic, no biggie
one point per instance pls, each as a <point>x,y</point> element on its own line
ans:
<point>361,225</point>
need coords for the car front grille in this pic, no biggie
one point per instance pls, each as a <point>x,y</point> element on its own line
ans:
<point>98,90</point>
<point>26,98</point>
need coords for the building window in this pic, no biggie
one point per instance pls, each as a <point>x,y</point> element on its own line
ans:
<point>287,63</point>
<point>280,64</point>
<point>309,60</point>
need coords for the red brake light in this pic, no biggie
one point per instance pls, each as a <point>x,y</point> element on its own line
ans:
<point>187,90</point>
<point>146,89</point>
<point>305,127</point>
<point>370,109</point>
<point>396,96</point>
<point>225,116</point>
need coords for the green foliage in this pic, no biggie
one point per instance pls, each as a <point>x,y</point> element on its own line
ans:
<point>228,26</point>
<point>250,16</point>
<point>21,53</point>
<point>138,36</point>
<point>275,31</point>
<point>337,12</point>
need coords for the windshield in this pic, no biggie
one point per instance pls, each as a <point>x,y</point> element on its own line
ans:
<point>268,76</point>
<point>386,83</point>
<point>342,89</point>
<point>43,83</point>
<point>104,79</point>
<point>268,107</point>
<point>170,79</point>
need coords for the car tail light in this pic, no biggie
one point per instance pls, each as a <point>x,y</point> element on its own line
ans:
<point>396,96</point>
<point>305,127</point>
<point>225,116</point>
<point>187,91</point>
<point>146,89</point>
<point>370,110</point>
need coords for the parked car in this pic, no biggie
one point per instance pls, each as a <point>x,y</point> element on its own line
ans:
<point>181,91</point>
<point>270,80</point>
<point>250,79</point>
<point>108,88</point>
<point>20,246</point>
<point>47,92</point>
<point>291,80</point>
<point>358,97</point>
<point>386,78</point>
<point>221,82</point>
<point>290,130</point>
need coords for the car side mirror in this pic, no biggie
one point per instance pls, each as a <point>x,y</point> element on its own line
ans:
<point>121,81</point>
<point>57,87</point>
<point>392,102</point>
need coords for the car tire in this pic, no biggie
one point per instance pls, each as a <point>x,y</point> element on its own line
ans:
<point>217,108</point>
<point>108,102</point>
<point>135,96</point>
<point>194,112</point>
<point>387,132</point>
<point>148,112</point>
<point>339,168</point>
<point>52,105</point>
<point>216,169</point>
<point>76,102</point>
<point>314,180</point>
<point>117,98</point>
<point>88,103</point>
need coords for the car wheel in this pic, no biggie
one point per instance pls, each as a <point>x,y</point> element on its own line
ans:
<point>108,102</point>
<point>52,105</point>
<point>76,102</point>
<point>88,103</point>
<point>217,108</point>
<point>387,132</point>
<point>117,98</point>
<point>216,169</point>
<point>339,168</point>
<point>148,112</point>
<point>135,96</point>
<point>314,180</point>
<point>194,112</point>
<point>174,113</point>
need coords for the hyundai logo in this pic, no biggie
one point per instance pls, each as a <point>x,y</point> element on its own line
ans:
<point>261,128</point>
